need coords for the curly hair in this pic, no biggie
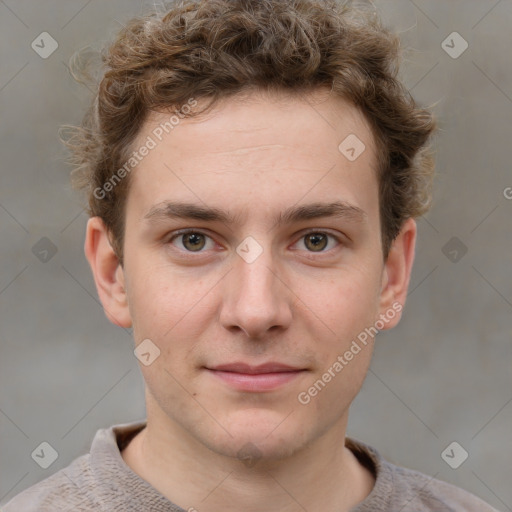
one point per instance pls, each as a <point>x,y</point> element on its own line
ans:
<point>213,49</point>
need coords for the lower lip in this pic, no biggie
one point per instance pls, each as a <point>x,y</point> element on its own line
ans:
<point>256,382</point>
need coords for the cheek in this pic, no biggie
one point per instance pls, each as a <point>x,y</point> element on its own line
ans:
<point>159,299</point>
<point>173,311</point>
<point>343,353</point>
<point>346,305</point>
<point>332,391</point>
<point>343,311</point>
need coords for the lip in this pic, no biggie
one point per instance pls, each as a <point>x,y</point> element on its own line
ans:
<point>239,367</point>
<point>264,377</point>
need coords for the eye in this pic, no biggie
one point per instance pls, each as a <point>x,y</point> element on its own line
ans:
<point>316,241</point>
<point>192,240</point>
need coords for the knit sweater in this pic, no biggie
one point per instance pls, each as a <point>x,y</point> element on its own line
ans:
<point>102,481</point>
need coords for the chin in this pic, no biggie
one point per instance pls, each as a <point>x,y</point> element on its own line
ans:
<point>251,450</point>
<point>258,435</point>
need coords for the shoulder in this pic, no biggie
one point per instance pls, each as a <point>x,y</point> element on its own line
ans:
<point>399,488</point>
<point>98,480</point>
<point>68,489</point>
<point>426,493</point>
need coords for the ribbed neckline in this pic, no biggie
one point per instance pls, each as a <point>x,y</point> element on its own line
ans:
<point>106,460</point>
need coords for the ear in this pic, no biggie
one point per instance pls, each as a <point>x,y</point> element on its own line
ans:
<point>397,273</point>
<point>108,273</point>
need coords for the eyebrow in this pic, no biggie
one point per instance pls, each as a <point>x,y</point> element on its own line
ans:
<point>181,210</point>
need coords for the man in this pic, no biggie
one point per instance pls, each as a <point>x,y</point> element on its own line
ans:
<point>253,170</point>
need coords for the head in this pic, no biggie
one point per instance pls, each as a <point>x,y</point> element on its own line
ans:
<point>279,135</point>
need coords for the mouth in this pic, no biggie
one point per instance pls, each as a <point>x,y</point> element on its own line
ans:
<point>265,377</point>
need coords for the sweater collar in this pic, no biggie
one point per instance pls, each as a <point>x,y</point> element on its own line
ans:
<point>132,492</point>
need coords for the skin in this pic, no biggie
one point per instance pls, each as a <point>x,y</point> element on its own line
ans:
<point>254,156</point>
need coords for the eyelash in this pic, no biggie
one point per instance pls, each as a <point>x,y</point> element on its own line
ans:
<point>182,232</point>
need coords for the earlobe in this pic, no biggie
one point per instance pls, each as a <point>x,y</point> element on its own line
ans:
<point>107,272</point>
<point>397,273</point>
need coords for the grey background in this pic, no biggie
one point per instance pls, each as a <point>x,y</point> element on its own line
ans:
<point>444,374</point>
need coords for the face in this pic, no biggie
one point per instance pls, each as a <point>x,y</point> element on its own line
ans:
<point>256,308</point>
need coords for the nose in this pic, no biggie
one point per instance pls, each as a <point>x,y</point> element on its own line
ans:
<point>256,298</point>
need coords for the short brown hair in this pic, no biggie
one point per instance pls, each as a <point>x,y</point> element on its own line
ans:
<point>217,48</point>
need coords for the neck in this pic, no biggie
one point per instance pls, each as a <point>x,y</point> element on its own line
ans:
<point>325,475</point>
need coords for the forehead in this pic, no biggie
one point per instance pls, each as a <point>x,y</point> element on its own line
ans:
<point>259,148</point>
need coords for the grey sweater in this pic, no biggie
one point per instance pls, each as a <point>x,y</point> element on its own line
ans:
<point>102,481</point>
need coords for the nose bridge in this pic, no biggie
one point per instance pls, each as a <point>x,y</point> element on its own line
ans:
<point>256,300</point>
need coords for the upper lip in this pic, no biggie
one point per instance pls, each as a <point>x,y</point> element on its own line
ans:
<point>271,367</point>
